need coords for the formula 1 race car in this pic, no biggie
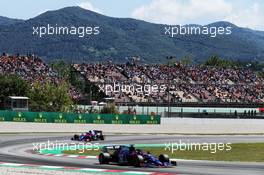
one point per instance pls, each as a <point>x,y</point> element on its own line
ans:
<point>128,155</point>
<point>92,135</point>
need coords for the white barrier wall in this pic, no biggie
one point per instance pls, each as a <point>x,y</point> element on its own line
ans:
<point>168,125</point>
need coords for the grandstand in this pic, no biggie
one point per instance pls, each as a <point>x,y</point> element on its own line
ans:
<point>32,69</point>
<point>183,84</point>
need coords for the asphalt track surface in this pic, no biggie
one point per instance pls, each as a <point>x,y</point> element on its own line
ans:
<point>13,149</point>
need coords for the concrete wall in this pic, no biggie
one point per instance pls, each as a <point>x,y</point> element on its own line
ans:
<point>168,125</point>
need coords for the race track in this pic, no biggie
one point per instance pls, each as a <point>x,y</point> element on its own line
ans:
<point>13,148</point>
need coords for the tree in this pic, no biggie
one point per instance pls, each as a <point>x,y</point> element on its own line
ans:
<point>186,60</point>
<point>50,97</point>
<point>62,68</point>
<point>110,108</point>
<point>89,89</point>
<point>12,85</point>
<point>213,61</point>
<point>261,74</point>
<point>76,79</point>
<point>67,72</point>
<point>216,61</point>
<point>171,60</point>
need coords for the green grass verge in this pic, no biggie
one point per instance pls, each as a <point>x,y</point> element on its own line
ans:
<point>244,152</point>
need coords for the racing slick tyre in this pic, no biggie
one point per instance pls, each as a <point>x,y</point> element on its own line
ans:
<point>104,158</point>
<point>174,163</point>
<point>164,158</point>
<point>137,161</point>
<point>101,137</point>
<point>75,137</point>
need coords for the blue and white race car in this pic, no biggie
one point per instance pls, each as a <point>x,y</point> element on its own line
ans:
<point>129,155</point>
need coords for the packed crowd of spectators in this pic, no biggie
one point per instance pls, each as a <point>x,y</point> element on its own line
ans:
<point>28,68</point>
<point>103,73</point>
<point>180,83</point>
<point>32,69</point>
<point>183,83</point>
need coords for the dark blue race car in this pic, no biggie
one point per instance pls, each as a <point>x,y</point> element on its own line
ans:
<point>129,155</point>
<point>92,135</point>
